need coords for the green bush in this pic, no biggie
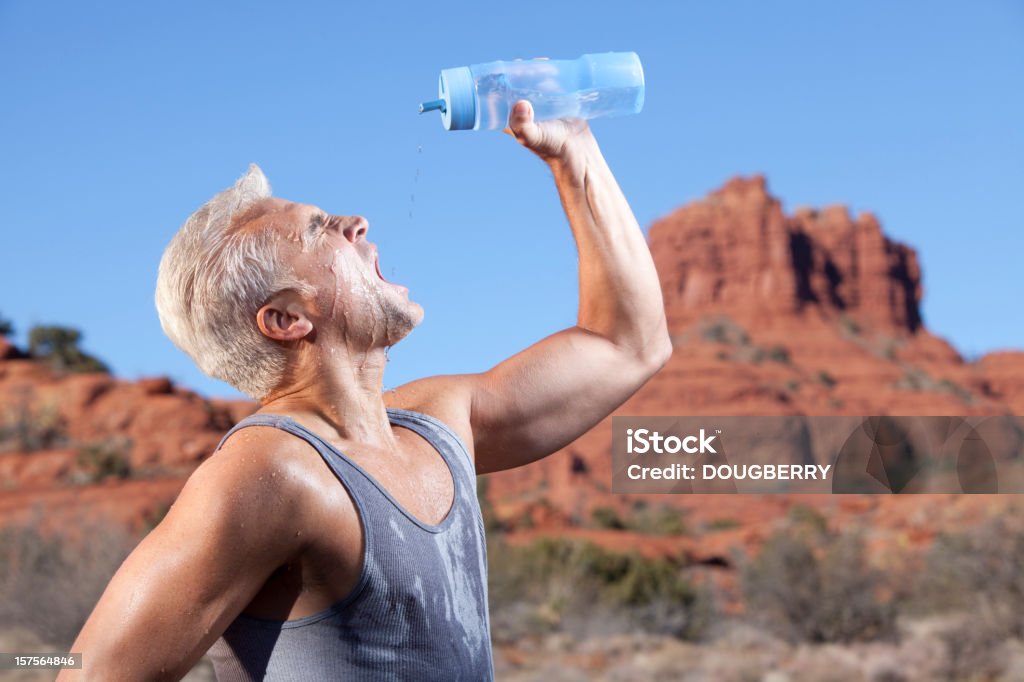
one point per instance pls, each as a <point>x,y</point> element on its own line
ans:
<point>802,515</point>
<point>658,520</point>
<point>724,330</point>
<point>850,326</point>
<point>554,584</point>
<point>722,524</point>
<point>58,346</point>
<point>606,517</point>
<point>105,459</point>
<point>817,587</point>
<point>778,354</point>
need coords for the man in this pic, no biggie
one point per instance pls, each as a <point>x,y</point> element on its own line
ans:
<point>373,566</point>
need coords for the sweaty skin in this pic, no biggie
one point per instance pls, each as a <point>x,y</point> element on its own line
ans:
<point>262,527</point>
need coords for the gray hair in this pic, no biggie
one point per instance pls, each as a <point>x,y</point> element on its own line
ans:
<point>212,281</point>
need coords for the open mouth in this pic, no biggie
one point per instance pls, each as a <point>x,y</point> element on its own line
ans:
<point>376,266</point>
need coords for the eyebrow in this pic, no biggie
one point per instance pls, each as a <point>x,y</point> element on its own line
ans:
<point>317,226</point>
<point>316,223</point>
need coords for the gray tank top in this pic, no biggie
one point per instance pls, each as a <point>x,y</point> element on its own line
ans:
<point>419,608</point>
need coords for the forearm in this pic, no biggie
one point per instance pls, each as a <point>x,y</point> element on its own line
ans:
<point>620,294</point>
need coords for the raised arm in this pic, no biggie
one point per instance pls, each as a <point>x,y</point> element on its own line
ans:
<point>230,527</point>
<point>554,391</point>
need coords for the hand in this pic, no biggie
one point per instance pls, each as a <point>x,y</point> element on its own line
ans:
<point>557,140</point>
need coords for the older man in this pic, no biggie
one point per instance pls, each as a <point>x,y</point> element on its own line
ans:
<point>335,534</point>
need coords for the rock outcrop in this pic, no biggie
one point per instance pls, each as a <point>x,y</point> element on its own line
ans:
<point>736,253</point>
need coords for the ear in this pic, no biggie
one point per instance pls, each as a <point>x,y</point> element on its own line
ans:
<point>284,317</point>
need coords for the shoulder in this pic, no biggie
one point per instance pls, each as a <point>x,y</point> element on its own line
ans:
<point>448,398</point>
<point>254,454</point>
<point>257,478</point>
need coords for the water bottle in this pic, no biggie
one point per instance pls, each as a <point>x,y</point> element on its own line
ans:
<point>481,96</point>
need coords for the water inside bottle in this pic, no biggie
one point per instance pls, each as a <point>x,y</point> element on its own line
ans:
<point>497,98</point>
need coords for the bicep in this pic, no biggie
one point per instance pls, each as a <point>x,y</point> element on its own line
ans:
<point>545,397</point>
<point>188,579</point>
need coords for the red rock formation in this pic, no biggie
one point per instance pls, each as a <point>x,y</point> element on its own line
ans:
<point>1001,374</point>
<point>736,253</point>
<point>64,435</point>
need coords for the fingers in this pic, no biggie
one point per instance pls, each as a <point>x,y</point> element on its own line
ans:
<point>521,125</point>
<point>522,114</point>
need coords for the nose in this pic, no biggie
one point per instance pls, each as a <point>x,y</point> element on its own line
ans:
<point>355,228</point>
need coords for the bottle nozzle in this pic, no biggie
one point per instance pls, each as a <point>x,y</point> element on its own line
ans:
<point>433,105</point>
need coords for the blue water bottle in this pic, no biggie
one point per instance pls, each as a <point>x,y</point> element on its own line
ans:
<point>481,96</point>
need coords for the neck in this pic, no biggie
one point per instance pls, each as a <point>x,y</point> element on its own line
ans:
<point>341,388</point>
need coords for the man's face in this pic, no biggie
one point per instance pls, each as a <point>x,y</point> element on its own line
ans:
<point>353,303</point>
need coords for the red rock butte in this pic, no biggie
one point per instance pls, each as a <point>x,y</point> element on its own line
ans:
<point>736,253</point>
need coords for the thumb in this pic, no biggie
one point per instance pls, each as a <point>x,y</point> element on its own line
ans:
<point>521,125</point>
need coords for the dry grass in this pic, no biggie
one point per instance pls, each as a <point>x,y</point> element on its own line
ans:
<point>49,582</point>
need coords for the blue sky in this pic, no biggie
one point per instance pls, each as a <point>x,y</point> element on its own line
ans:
<point>117,120</point>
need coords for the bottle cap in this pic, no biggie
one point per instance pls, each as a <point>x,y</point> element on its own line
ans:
<point>455,87</point>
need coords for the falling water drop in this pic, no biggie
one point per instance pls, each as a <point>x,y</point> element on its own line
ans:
<point>415,180</point>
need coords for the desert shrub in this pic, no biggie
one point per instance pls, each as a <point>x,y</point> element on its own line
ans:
<point>49,582</point>
<point>560,585</point>
<point>915,380</point>
<point>849,325</point>
<point>104,459</point>
<point>826,379</point>
<point>777,354</point>
<point>642,518</point>
<point>724,523</point>
<point>26,426</point>
<point>816,586</point>
<point>657,520</point>
<point>724,330</point>
<point>980,573</point>
<point>58,346</point>
<point>606,517</point>
<point>973,650</point>
<point>802,515</point>
<point>6,327</point>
